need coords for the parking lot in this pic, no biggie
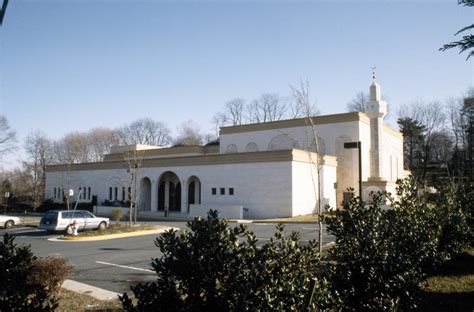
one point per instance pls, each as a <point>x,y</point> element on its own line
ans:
<point>118,263</point>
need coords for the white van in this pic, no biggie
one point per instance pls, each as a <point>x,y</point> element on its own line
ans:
<point>62,220</point>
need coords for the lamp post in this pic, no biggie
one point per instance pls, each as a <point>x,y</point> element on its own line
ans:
<point>7,195</point>
<point>358,145</point>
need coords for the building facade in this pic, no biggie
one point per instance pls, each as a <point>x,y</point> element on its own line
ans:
<point>265,170</point>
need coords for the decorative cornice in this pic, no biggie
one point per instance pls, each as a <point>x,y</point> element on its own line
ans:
<point>163,152</point>
<point>200,160</point>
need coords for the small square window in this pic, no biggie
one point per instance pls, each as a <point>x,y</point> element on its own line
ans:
<point>231,191</point>
<point>214,191</point>
<point>222,190</point>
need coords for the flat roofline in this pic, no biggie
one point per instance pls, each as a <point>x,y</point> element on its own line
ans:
<point>298,122</point>
<point>203,160</point>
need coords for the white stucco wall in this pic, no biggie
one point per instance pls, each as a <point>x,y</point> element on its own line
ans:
<point>393,156</point>
<point>305,187</point>
<point>303,136</point>
<point>263,188</point>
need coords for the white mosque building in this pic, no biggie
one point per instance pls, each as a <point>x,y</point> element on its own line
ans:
<point>264,170</point>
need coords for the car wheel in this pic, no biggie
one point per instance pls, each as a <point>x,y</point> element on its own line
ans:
<point>69,230</point>
<point>102,226</point>
<point>9,224</point>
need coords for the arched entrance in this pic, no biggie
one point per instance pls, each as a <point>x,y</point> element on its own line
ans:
<point>144,199</point>
<point>194,191</point>
<point>169,192</point>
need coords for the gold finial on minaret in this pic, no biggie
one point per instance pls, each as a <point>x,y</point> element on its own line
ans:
<point>373,72</point>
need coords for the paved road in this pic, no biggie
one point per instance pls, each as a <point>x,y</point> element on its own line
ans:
<point>116,264</point>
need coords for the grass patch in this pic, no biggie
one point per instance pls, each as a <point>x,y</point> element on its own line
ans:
<point>310,218</point>
<point>72,301</point>
<point>451,287</point>
<point>119,229</point>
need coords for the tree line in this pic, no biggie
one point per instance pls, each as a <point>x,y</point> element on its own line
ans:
<point>27,182</point>
<point>438,138</point>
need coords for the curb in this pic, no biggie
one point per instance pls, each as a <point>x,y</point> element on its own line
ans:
<point>113,236</point>
<point>98,293</point>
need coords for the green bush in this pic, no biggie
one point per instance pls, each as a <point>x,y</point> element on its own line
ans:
<point>212,267</point>
<point>117,214</point>
<point>454,210</point>
<point>17,291</point>
<point>382,256</point>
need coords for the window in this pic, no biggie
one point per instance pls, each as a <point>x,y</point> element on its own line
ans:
<point>87,214</point>
<point>129,193</point>
<point>88,193</point>
<point>54,193</point>
<point>80,193</point>
<point>222,190</point>
<point>116,193</point>
<point>110,193</point>
<point>123,192</point>
<point>231,191</point>
<point>214,191</point>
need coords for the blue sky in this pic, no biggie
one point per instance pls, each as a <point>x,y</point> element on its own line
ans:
<point>77,64</point>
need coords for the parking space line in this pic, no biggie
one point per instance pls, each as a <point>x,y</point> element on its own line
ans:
<point>125,266</point>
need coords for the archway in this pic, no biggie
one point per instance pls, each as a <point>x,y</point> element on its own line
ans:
<point>231,148</point>
<point>251,147</point>
<point>144,197</point>
<point>194,191</point>
<point>169,192</point>
<point>282,142</point>
<point>320,147</point>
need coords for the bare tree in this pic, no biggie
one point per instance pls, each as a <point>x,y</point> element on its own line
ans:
<point>100,141</point>
<point>7,136</point>
<point>144,131</point>
<point>301,96</point>
<point>358,103</point>
<point>134,160</point>
<point>234,112</point>
<point>432,117</point>
<point>189,133</point>
<point>218,120</point>
<point>268,107</point>
<point>73,148</point>
<point>38,150</point>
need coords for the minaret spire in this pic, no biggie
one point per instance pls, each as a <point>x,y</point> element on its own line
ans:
<point>376,110</point>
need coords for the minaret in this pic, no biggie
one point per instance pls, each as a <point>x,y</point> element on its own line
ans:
<point>376,110</point>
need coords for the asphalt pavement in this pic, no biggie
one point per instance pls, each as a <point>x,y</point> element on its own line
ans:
<point>117,264</point>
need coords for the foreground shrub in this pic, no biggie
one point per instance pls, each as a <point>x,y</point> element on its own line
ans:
<point>382,256</point>
<point>49,273</point>
<point>213,267</point>
<point>17,291</point>
<point>454,205</point>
